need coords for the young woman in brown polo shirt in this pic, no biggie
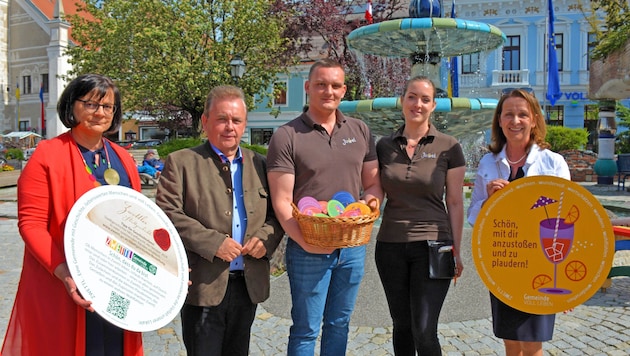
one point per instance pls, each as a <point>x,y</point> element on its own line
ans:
<point>418,165</point>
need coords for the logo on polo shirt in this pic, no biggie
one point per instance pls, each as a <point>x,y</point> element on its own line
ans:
<point>428,155</point>
<point>347,141</point>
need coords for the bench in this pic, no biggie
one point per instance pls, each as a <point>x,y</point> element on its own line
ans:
<point>623,170</point>
<point>622,243</point>
<point>147,180</point>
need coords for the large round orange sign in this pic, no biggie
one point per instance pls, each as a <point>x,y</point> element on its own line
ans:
<point>543,244</point>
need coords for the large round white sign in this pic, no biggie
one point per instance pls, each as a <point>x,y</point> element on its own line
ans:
<point>126,257</point>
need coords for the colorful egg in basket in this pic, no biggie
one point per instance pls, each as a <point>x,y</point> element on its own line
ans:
<point>364,209</point>
<point>344,226</point>
<point>343,197</point>
<point>335,208</point>
<point>308,202</point>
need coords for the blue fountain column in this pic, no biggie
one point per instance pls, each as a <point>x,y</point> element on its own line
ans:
<point>428,65</point>
<point>426,62</point>
<point>605,166</point>
<point>425,8</point>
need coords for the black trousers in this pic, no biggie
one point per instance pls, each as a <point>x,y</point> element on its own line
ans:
<point>101,337</point>
<point>414,300</point>
<point>222,330</point>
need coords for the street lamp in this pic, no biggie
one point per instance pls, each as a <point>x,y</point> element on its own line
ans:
<point>237,68</point>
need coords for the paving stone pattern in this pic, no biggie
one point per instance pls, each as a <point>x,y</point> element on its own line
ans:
<point>598,327</point>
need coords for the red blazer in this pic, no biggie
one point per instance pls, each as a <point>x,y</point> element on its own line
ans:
<point>44,317</point>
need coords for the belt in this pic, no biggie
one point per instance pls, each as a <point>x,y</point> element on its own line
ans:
<point>237,274</point>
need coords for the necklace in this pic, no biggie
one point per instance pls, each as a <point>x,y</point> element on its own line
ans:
<point>110,175</point>
<point>517,161</point>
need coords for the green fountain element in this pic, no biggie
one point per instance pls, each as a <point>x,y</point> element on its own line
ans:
<point>425,41</point>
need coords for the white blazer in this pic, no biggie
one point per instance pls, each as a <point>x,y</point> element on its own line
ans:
<point>539,162</point>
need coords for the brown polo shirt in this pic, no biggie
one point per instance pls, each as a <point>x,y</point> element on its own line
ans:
<point>322,164</point>
<point>415,208</point>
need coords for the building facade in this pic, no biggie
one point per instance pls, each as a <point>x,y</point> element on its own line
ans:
<point>520,63</point>
<point>33,39</point>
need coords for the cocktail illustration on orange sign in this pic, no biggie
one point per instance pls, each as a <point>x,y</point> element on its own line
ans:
<point>559,241</point>
<point>556,238</point>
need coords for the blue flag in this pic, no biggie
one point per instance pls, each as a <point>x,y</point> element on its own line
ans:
<point>553,81</point>
<point>454,79</point>
<point>41,93</point>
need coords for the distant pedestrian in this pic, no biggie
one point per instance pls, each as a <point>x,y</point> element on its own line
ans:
<point>151,161</point>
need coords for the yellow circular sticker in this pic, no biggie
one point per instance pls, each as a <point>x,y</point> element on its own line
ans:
<point>543,244</point>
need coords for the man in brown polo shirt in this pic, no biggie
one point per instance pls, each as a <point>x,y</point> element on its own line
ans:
<point>319,153</point>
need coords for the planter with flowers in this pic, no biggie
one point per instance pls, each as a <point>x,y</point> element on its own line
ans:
<point>9,175</point>
<point>10,171</point>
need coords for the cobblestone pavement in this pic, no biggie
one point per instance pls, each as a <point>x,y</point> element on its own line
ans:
<point>597,327</point>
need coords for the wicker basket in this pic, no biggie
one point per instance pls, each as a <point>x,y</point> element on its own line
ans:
<point>336,232</point>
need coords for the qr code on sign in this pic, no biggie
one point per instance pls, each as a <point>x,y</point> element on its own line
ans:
<point>118,306</point>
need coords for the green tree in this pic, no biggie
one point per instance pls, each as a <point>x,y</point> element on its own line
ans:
<point>166,55</point>
<point>324,25</point>
<point>15,153</point>
<point>622,142</point>
<point>614,33</point>
<point>623,113</point>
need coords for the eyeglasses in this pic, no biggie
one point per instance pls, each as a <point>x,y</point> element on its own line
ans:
<point>92,107</point>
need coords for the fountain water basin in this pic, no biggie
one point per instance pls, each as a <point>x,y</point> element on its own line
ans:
<point>461,115</point>
<point>425,41</point>
<point>446,37</point>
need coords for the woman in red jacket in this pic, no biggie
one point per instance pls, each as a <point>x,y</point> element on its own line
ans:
<point>49,314</point>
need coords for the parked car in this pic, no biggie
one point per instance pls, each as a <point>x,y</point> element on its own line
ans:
<point>28,153</point>
<point>126,144</point>
<point>147,143</point>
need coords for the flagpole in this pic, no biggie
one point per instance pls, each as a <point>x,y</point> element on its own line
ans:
<point>553,84</point>
<point>43,123</point>
<point>546,67</point>
<point>43,111</point>
<point>17,112</point>
<point>453,68</point>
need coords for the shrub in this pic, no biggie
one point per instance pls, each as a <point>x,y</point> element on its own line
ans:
<point>622,142</point>
<point>256,148</point>
<point>15,153</point>
<point>563,138</point>
<point>181,143</point>
<point>177,144</point>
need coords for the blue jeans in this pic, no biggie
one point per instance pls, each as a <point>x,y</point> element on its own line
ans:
<point>322,287</point>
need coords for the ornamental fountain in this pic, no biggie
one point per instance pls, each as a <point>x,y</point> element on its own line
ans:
<point>425,38</point>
